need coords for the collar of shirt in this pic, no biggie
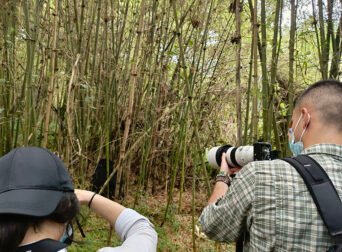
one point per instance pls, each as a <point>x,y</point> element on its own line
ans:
<point>329,149</point>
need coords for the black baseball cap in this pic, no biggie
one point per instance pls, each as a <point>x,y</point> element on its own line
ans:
<point>32,182</point>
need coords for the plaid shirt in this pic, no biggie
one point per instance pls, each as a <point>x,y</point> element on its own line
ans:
<point>270,201</point>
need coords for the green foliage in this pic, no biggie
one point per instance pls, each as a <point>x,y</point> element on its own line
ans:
<point>283,109</point>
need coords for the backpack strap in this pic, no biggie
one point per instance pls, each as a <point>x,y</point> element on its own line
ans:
<point>323,192</point>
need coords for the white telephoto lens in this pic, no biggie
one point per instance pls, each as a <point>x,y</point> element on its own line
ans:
<point>240,156</point>
<point>244,155</point>
<point>212,157</point>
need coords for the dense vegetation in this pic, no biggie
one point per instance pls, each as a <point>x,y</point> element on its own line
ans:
<point>150,84</point>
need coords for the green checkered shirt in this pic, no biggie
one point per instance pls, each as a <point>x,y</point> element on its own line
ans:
<point>270,201</point>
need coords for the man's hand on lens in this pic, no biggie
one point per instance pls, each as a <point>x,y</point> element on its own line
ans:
<point>225,167</point>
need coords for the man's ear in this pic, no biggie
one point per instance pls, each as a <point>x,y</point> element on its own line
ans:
<point>306,117</point>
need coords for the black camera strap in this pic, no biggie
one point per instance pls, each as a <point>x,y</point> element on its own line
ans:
<point>324,194</point>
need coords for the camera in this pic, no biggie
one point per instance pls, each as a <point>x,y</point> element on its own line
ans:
<point>242,155</point>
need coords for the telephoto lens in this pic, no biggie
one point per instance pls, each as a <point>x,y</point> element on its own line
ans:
<point>239,156</point>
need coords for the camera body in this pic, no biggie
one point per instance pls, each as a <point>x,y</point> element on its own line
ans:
<point>240,156</point>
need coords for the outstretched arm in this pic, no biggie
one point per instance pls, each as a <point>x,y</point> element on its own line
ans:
<point>102,206</point>
<point>135,230</point>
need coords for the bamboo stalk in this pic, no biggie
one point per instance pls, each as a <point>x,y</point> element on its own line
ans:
<point>132,86</point>
<point>52,76</point>
<point>274,68</point>
<point>69,110</point>
<point>238,72</point>
<point>254,122</point>
<point>291,57</point>
<point>323,40</point>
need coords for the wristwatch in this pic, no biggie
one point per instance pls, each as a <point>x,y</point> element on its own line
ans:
<point>223,177</point>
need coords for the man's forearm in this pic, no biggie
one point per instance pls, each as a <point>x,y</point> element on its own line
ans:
<point>219,190</point>
<point>221,187</point>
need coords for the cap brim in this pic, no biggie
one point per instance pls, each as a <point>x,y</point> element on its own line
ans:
<point>32,202</point>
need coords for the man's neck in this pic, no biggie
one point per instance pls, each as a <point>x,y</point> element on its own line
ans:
<point>326,136</point>
<point>45,230</point>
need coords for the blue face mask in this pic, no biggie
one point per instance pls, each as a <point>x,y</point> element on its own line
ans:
<point>67,235</point>
<point>296,147</point>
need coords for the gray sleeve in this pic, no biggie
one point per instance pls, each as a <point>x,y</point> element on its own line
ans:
<point>136,231</point>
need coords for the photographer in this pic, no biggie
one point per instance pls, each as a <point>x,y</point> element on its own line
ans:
<point>38,203</point>
<point>268,201</point>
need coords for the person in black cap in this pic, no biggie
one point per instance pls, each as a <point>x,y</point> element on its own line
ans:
<point>38,203</point>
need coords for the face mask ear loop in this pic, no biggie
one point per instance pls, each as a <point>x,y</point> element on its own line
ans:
<point>294,130</point>
<point>305,127</point>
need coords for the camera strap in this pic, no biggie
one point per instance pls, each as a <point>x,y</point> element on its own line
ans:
<point>324,194</point>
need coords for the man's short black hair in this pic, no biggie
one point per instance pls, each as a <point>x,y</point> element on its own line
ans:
<point>326,98</point>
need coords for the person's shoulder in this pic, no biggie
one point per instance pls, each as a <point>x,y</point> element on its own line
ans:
<point>271,163</point>
<point>268,166</point>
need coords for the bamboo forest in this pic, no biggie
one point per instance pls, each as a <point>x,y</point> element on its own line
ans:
<point>147,87</point>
